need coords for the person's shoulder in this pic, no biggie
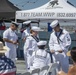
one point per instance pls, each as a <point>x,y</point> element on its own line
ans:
<point>6,31</point>
<point>72,70</point>
<point>65,31</point>
<point>29,37</point>
<point>53,33</point>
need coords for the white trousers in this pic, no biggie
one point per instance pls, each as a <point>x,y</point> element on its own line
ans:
<point>27,57</point>
<point>62,60</point>
<point>11,53</point>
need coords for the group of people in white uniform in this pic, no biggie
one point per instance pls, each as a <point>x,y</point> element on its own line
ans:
<point>35,53</point>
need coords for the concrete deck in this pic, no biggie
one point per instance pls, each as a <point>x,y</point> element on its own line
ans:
<point>20,64</point>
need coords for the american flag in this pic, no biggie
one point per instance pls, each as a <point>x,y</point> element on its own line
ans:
<point>7,66</point>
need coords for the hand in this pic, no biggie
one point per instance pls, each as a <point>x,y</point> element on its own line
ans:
<point>60,51</point>
<point>14,42</point>
<point>61,73</point>
<point>52,51</point>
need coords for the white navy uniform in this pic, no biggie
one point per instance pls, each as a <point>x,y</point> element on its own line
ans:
<point>29,46</point>
<point>11,35</point>
<point>40,58</point>
<point>26,33</point>
<point>63,44</point>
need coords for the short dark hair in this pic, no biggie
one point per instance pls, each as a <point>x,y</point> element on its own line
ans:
<point>27,25</point>
<point>41,47</point>
<point>58,24</point>
<point>15,24</point>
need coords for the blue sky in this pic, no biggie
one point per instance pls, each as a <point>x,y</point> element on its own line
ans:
<point>30,4</point>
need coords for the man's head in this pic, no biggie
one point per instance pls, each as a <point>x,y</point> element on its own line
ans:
<point>27,24</point>
<point>55,25</point>
<point>41,44</point>
<point>14,25</point>
<point>34,30</point>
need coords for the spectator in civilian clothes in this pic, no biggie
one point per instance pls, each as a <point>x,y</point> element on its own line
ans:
<point>7,66</point>
<point>72,69</point>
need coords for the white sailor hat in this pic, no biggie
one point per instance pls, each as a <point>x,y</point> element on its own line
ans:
<point>15,23</point>
<point>40,43</point>
<point>35,28</point>
<point>54,23</point>
<point>26,22</point>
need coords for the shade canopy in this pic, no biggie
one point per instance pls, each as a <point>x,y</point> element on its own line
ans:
<point>54,9</point>
<point>7,10</point>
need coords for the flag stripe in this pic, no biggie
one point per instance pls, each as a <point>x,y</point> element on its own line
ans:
<point>7,71</point>
<point>12,73</point>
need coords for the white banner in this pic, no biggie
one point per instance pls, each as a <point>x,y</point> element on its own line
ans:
<point>45,15</point>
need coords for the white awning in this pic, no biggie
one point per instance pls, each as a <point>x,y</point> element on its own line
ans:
<point>60,10</point>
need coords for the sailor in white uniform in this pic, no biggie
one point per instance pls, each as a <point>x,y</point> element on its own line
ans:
<point>40,57</point>
<point>11,41</point>
<point>31,44</point>
<point>26,32</point>
<point>59,44</point>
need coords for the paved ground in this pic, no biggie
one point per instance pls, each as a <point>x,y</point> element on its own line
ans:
<point>20,64</point>
<point>20,67</point>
